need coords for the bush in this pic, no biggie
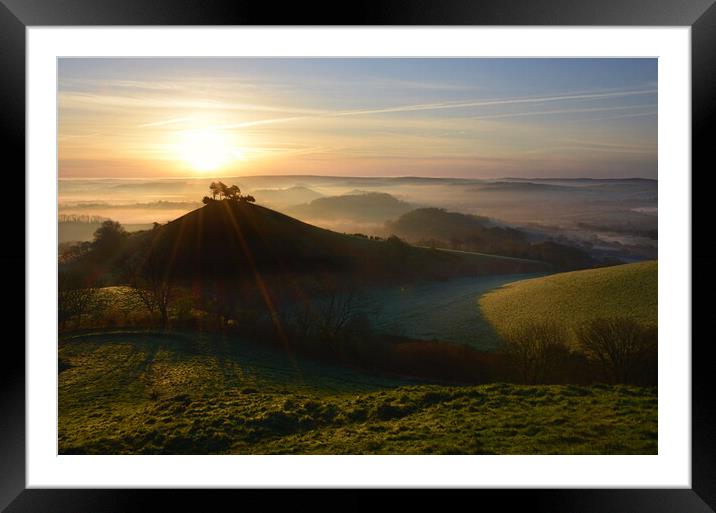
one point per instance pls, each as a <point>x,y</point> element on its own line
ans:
<point>76,299</point>
<point>625,349</point>
<point>537,350</point>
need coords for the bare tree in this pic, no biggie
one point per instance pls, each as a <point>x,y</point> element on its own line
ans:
<point>620,344</point>
<point>329,314</point>
<point>74,299</point>
<point>536,349</point>
<point>152,284</point>
<point>335,311</point>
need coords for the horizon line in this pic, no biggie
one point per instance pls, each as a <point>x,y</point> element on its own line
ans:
<point>193,177</point>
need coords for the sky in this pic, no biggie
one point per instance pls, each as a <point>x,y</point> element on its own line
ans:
<point>440,117</point>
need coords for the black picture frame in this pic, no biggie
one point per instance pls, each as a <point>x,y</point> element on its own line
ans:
<point>16,15</point>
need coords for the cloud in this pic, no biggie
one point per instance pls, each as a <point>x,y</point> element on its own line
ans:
<point>166,122</point>
<point>497,101</point>
<point>462,104</point>
<point>248,124</point>
<point>623,116</point>
<point>563,111</point>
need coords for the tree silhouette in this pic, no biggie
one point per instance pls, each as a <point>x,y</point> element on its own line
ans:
<point>223,189</point>
<point>621,344</point>
<point>109,238</point>
<point>215,191</point>
<point>232,193</point>
<point>536,349</point>
<point>151,283</point>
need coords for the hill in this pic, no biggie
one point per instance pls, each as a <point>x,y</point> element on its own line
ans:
<point>230,239</point>
<point>362,207</point>
<point>575,297</point>
<point>454,230</point>
<point>433,223</point>
<point>230,244</point>
<point>290,196</point>
<point>520,187</point>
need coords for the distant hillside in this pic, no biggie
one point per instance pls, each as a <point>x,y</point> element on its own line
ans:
<point>434,223</point>
<point>365,207</point>
<point>575,297</point>
<point>452,230</point>
<point>75,228</point>
<point>521,187</point>
<point>568,189</point>
<point>286,197</point>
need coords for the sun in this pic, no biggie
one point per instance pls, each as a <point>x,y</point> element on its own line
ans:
<point>207,150</point>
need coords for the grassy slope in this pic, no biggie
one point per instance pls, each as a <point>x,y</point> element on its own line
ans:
<point>574,297</point>
<point>438,310</point>
<point>130,393</point>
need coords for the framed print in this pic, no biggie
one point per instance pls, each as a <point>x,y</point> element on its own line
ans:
<point>417,249</point>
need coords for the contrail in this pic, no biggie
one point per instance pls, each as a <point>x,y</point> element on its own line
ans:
<point>502,101</point>
<point>446,105</point>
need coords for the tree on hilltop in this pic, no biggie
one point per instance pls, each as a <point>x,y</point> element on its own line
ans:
<point>223,191</point>
<point>215,190</point>
<point>233,193</point>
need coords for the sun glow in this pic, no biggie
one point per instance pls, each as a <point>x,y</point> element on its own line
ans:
<point>207,150</point>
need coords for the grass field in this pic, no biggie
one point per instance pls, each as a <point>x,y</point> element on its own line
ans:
<point>438,310</point>
<point>575,297</point>
<point>146,393</point>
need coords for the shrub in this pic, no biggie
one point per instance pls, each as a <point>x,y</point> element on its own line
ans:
<point>625,348</point>
<point>75,299</point>
<point>537,350</point>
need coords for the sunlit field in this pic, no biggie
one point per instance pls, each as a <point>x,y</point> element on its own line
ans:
<point>577,297</point>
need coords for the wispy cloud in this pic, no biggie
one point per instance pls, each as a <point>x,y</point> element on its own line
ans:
<point>66,137</point>
<point>93,101</point>
<point>173,121</point>
<point>606,144</point>
<point>623,116</point>
<point>260,122</point>
<point>497,101</point>
<point>562,111</point>
<point>462,105</point>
